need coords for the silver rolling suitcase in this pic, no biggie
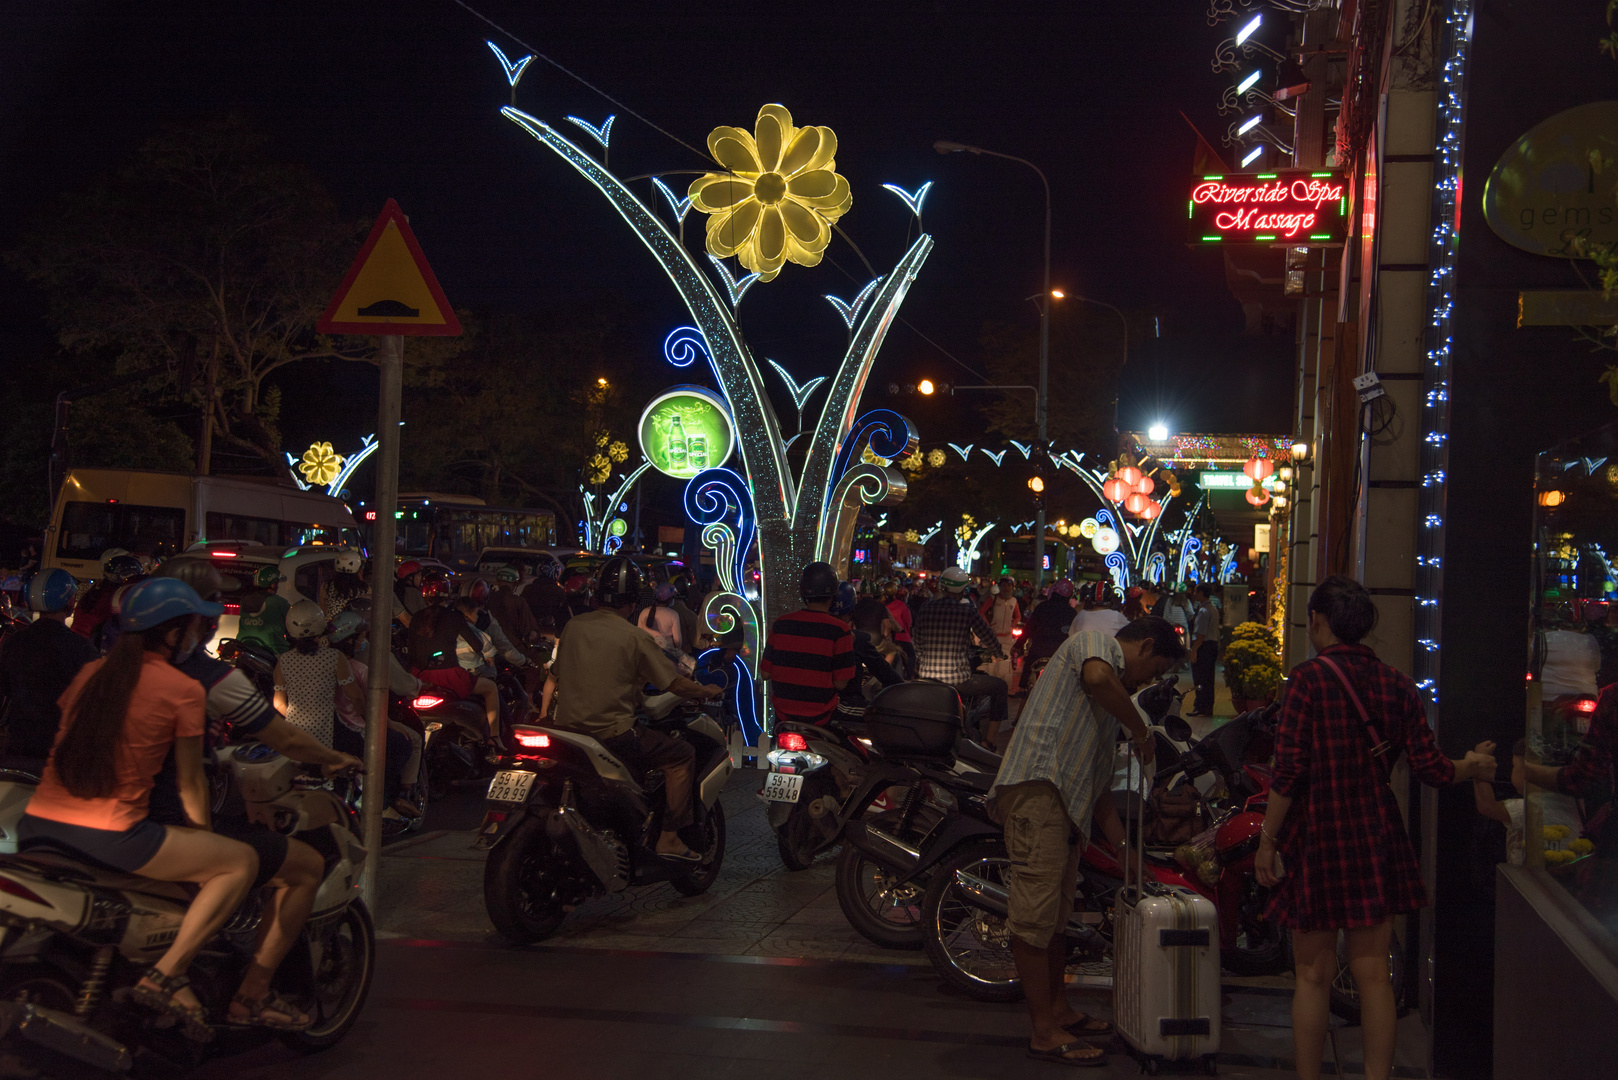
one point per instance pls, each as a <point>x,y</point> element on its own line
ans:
<point>1165,969</point>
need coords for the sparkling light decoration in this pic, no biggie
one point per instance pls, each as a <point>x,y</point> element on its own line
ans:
<point>1455,43</point>
<point>600,134</point>
<point>512,69</point>
<point>968,553</point>
<point>320,464</point>
<point>792,513</point>
<point>912,199</point>
<point>334,486</point>
<point>779,196</point>
<point>596,518</point>
<point>850,312</point>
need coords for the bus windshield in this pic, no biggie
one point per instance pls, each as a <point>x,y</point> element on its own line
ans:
<point>88,529</point>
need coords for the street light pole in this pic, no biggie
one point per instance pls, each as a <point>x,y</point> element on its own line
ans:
<point>1125,322</point>
<point>1042,400</point>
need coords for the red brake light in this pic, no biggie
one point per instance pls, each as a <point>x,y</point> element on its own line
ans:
<point>1586,705</point>
<point>1016,631</point>
<point>791,740</point>
<point>22,892</point>
<point>533,740</point>
<point>233,609</point>
<point>223,554</point>
<point>427,701</point>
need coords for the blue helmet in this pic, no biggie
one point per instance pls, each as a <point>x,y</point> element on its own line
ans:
<point>155,601</point>
<point>842,604</point>
<point>52,590</point>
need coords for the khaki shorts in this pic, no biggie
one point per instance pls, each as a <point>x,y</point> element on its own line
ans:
<point>1044,849</point>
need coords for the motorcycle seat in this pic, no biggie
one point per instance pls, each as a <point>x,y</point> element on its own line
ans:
<point>971,752</point>
<point>64,868</point>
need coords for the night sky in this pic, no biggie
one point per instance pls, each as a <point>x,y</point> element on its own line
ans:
<point>400,99</point>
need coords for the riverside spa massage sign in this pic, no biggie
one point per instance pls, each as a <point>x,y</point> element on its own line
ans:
<point>1290,207</point>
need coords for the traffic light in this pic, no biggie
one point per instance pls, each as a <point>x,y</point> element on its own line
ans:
<point>924,387</point>
<point>1036,484</point>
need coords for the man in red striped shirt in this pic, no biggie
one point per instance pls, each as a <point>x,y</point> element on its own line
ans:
<point>810,653</point>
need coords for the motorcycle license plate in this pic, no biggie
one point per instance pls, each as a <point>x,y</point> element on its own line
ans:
<point>779,787</point>
<point>510,785</point>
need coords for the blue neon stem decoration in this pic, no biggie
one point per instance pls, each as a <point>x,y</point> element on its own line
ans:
<point>889,434</point>
<point>512,69</point>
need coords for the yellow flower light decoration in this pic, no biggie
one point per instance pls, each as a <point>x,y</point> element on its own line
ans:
<point>911,536</point>
<point>779,196</point>
<point>935,458</point>
<point>618,452</point>
<point>320,464</point>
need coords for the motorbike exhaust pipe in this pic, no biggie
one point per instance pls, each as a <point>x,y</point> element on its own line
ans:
<point>887,851</point>
<point>599,854</point>
<point>994,899</point>
<point>66,1035</point>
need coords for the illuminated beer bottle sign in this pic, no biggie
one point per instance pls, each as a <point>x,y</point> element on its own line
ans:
<point>1291,208</point>
<point>685,430</point>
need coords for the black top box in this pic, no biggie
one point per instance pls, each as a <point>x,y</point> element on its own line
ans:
<point>915,719</point>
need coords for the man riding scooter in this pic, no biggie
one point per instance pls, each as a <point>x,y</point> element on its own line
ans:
<point>603,661</point>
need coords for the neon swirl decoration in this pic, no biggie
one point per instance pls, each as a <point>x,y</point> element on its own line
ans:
<point>889,434</point>
<point>684,345</point>
<point>1118,566</point>
<point>713,497</point>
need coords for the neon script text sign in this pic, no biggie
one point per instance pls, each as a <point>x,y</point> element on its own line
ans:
<point>1293,207</point>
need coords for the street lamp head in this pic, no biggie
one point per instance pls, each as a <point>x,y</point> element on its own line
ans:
<point>944,146</point>
<point>1057,294</point>
<point>1158,432</point>
<point>925,386</point>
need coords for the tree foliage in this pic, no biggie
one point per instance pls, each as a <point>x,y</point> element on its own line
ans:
<point>204,249</point>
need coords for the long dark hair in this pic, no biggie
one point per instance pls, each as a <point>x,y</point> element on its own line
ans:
<point>85,759</point>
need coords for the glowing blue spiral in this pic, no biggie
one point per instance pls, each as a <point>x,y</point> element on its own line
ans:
<point>1188,559</point>
<point>1104,516</point>
<point>684,345</point>
<point>1156,568</point>
<point>889,434</point>
<point>1118,566</point>
<point>720,495</point>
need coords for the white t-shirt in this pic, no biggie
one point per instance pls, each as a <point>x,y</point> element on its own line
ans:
<point>1572,660</point>
<point>1106,620</point>
<point>1557,809</point>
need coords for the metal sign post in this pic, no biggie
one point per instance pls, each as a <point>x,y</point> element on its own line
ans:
<point>384,558</point>
<point>390,292</point>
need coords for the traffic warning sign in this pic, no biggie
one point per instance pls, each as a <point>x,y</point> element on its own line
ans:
<point>390,289</point>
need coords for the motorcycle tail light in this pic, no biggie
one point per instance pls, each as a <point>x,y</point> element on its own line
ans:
<point>232,609</point>
<point>532,740</point>
<point>791,740</point>
<point>426,701</point>
<point>1585,705</point>
<point>22,892</point>
<point>1016,631</point>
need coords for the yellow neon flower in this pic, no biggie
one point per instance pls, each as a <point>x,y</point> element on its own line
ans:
<point>935,458</point>
<point>618,452</point>
<point>911,536</point>
<point>779,196</point>
<point>320,464</point>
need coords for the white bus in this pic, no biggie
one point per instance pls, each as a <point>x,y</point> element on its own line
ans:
<point>161,514</point>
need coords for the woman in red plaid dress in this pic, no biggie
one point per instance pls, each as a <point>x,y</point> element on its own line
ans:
<point>1333,846</point>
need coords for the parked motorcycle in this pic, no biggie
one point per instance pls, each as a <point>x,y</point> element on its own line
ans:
<point>74,940</point>
<point>568,821</point>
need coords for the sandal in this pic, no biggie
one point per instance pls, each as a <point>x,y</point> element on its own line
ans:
<point>193,1018</point>
<point>1060,1055</point>
<point>680,856</point>
<point>1089,1027</point>
<point>269,1003</point>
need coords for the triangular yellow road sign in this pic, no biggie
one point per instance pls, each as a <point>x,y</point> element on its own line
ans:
<point>390,289</point>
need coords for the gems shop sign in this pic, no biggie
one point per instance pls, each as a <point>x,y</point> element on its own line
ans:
<point>1293,208</point>
<point>685,430</point>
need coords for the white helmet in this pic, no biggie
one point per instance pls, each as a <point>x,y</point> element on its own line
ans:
<point>111,554</point>
<point>954,579</point>
<point>305,619</point>
<point>349,562</point>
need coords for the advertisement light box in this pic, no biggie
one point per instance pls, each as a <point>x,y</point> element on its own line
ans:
<point>1287,208</point>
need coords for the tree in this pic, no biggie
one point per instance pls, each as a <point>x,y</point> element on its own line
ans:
<point>204,260</point>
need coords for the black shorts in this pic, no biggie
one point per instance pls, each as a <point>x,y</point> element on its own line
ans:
<point>121,850</point>
<point>269,845</point>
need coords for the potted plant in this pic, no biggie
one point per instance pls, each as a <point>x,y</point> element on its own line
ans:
<point>1252,666</point>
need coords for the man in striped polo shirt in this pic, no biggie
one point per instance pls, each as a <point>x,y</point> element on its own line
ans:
<point>810,653</point>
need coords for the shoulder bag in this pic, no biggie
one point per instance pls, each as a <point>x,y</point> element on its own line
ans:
<point>1373,734</point>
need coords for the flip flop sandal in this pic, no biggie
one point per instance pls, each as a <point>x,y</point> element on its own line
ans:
<point>1082,1027</point>
<point>685,856</point>
<point>272,1002</point>
<point>193,1019</point>
<point>1059,1055</point>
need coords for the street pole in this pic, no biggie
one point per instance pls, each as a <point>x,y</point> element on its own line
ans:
<point>383,561</point>
<point>1042,400</point>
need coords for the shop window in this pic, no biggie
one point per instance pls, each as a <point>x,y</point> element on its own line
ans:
<point>1568,828</point>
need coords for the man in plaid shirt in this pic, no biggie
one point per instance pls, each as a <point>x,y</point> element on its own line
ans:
<point>943,633</point>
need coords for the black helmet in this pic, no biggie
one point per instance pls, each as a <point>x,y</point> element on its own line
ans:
<point>618,582</point>
<point>819,582</point>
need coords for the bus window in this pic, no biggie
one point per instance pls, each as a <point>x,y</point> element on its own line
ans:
<point>88,529</point>
<point>266,531</point>
<point>331,535</point>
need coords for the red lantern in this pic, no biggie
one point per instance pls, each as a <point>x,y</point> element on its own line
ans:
<point>1257,468</point>
<point>1129,475</point>
<point>1115,490</point>
<point>1151,510</point>
<point>1257,495</point>
<point>1146,486</point>
<point>1136,502</point>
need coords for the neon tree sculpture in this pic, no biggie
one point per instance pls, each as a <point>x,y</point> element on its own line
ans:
<point>968,554</point>
<point>793,515</point>
<point>596,519</point>
<point>346,466</point>
<point>938,527</point>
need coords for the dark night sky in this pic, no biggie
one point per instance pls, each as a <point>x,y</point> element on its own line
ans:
<point>401,99</point>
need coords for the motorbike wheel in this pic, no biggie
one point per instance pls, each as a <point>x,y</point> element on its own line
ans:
<point>1345,995</point>
<point>701,879</point>
<point>1262,947</point>
<point>970,948</point>
<point>524,882</point>
<point>885,914</point>
<point>797,839</point>
<point>344,960</point>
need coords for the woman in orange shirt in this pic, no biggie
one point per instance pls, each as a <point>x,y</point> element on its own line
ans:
<point>120,717</point>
